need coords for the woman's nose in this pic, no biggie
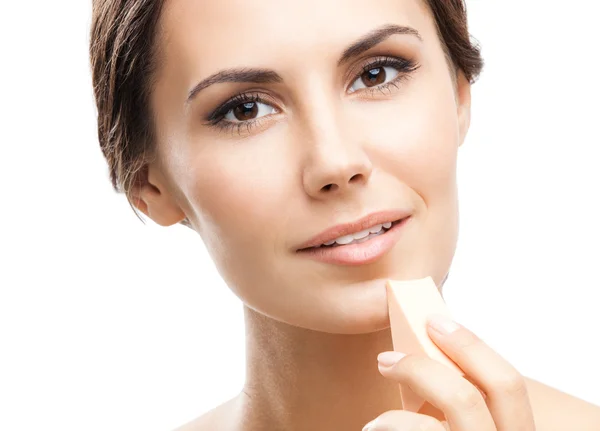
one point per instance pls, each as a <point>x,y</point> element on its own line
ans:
<point>336,164</point>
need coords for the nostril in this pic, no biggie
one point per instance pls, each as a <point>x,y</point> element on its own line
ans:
<point>334,186</point>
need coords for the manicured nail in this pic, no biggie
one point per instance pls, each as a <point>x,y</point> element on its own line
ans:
<point>370,426</point>
<point>388,359</point>
<point>443,324</point>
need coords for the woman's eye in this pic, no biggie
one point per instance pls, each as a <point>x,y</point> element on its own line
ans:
<point>374,77</point>
<point>248,111</point>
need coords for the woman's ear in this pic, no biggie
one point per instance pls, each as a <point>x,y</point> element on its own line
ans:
<point>152,197</point>
<point>463,105</point>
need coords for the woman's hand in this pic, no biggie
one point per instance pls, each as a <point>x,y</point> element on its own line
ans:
<point>492,396</point>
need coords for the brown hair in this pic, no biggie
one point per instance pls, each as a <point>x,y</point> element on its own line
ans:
<point>124,56</point>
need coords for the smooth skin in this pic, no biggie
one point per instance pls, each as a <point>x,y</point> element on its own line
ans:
<point>317,149</point>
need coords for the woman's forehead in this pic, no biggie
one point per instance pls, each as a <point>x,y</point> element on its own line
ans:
<point>229,33</point>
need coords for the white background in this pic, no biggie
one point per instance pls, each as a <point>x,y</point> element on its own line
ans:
<point>110,324</point>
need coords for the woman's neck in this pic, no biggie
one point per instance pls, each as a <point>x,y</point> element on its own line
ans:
<point>297,379</point>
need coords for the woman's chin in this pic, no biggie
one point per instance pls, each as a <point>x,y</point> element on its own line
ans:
<point>337,306</point>
<point>358,308</point>
<point>355,308</point>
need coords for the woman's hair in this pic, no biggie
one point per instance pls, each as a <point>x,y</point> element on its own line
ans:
<point>124,57</point>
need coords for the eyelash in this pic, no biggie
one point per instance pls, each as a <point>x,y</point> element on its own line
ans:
<point>216,118</point>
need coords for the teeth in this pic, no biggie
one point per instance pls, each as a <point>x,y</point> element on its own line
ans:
<point>376,228</point>
<point>360,241</point>
<point>346,239</point>
<point>361,236</point>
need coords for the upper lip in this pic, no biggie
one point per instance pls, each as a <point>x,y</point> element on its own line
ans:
<point>361,224</point>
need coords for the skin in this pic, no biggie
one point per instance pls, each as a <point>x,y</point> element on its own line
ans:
<point>327,150</point>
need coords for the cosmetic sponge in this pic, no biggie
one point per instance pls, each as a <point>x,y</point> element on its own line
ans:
<point>410,305</point>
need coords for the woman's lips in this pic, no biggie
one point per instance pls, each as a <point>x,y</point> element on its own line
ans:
<point>366,222</point>
<point>358,254</point>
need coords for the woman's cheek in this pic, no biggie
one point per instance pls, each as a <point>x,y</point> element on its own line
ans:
<point>242,184</point>
<point>415,139</point>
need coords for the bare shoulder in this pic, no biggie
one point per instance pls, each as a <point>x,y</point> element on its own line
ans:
<point>219,418</point>
<point>557,411</point>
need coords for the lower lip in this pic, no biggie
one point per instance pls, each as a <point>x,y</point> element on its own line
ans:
<point>358,254</point>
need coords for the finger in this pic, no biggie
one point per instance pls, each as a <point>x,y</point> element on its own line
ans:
<point>504,387</point>
<point>402,420</point>
<point>444,388</point>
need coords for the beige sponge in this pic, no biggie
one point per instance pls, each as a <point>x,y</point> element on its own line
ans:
<point>410,305</point>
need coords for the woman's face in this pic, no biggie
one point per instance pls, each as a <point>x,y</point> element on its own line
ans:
<point>322,130</point>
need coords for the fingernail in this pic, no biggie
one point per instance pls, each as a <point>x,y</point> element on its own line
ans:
<point>443,324</point>
<point>370,426</point>
<point>387,359</point>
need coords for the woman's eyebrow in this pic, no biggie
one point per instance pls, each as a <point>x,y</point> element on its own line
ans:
<point>258,76</point>
<point>267,76</point>
<point>375,37</point>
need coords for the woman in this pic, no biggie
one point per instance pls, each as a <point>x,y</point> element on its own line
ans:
<point>313,145</point>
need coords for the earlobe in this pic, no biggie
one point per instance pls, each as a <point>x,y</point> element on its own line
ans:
<point>151,197</point>
<point>463,97</point>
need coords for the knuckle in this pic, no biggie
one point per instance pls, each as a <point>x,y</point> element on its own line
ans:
<point>510,383</point>
<point>467,398</point>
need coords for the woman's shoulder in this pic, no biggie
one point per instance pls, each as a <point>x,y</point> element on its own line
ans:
<point>556,410</point>
<point>219,418</point>
<point>553,410</point>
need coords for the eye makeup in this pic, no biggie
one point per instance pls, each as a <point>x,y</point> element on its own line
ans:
<point>244,106</point>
